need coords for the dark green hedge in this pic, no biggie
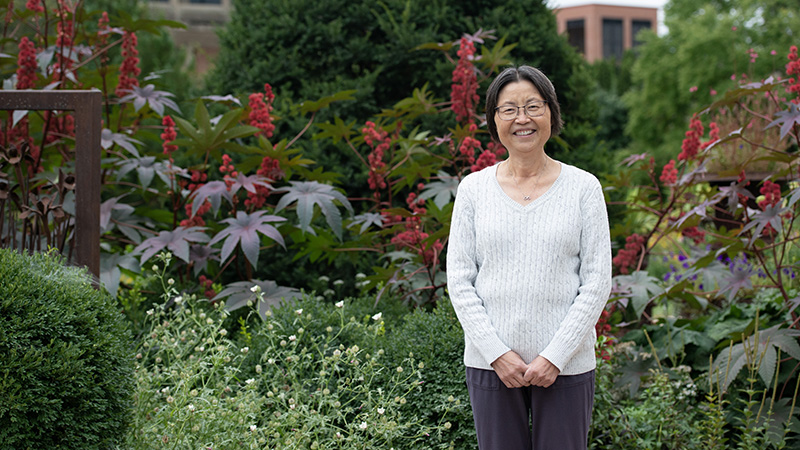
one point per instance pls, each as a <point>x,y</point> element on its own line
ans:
<point>65,358</point>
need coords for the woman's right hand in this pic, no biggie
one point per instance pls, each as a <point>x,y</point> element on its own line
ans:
<point>511,369</point>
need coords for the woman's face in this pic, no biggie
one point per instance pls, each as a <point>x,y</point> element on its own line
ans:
<point>522,134</point>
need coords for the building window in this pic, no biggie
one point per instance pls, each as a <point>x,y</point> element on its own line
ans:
<point>636,27</point>
<point>612,38</point>
<point>576,33</point>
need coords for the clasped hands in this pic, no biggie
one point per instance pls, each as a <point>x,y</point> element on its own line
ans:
<point>514,373</point>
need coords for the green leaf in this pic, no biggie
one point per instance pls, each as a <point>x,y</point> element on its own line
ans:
<point>308,194</point>
<point>324,102</point>
<point>642,288</point>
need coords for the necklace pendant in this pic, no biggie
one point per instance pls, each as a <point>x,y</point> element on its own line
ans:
<point>526,198</point>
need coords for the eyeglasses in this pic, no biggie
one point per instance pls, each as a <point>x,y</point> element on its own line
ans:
<point>532,109</point>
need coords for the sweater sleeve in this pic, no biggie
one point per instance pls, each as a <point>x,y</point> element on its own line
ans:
<point>595,280</point>
<point>462,271</point>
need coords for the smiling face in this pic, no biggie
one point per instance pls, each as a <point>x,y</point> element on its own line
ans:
<point>523,134</point>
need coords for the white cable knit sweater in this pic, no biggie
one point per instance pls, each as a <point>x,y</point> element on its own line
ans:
<point>532,278</point>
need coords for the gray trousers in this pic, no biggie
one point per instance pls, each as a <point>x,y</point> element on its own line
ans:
<point>532,417</point>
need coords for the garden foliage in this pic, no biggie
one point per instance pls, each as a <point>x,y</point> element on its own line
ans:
<point>66,371</point>
<point>705,269</point>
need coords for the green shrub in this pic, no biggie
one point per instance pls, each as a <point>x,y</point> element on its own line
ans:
<point>436,342</point>
<point>65,365</point>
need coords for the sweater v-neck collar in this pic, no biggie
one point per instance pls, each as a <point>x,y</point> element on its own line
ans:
<point>538,200</point>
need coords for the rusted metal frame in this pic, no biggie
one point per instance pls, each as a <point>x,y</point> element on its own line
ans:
<point>87,106</point>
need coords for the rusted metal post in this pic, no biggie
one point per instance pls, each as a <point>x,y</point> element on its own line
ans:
<point>88,114</point>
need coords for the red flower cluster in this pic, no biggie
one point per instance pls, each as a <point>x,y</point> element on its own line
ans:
<point>793,70</point>
<point>229,171</point>
<point>629,256</point>
<point>379,141</point>
<point>102,36</point>
<point>26,62</point>
<point>35,6</point>
<point>260,111</point>
<point>464,90</point>
<point>772,194</point>
<point>270,168</point>
<point>669,175</point>
<point>691,144</point>
<point>467,148</point>
<point>198,179</point>
<point>603,328</point>
<point>414,239</point>
<point>129,69</point>
<point>713,135</point>
<point>206,284</point>
<point>168,136</point>
<point>58,126</point>
<point>743,181</point>
<point>64,42</point>
<point>695,234</point>
<point>197,219</point>
<point>416,205</point>
<point>486,159</point>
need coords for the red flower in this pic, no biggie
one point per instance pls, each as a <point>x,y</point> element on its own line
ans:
<point>260,111</point>
<point>229,171</point>
<point>102,35</point>
<point>486,159</point>
<point>629,256</point>
<point>64,42</point>
<point>669,175</point>
<point>691,144</point>
<point>772,194</point>
<point>35,6</point>
<point>168,136</point>
<point>695,234</point>
<point>793,70</point>
<point>129,69</point>
<point>414,239</point>
<point>206,284</point>
<point>26,62</point>
<point>380,142</point>
<point>464,89</point>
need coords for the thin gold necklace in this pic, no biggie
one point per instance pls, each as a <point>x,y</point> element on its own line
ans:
<point>527,197</point>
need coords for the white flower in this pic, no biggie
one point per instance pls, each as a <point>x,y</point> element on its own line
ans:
<point>328,292</point>
<point>340,304</point>
<point>253,428</point>
<point>381,410</point>
<point>223,332</point>
<point>258,368</point>
<point>170,282</point>
<point>292,338</point>
<point>190,407</point>
<point>323,278</point>
<point>363,425</point>
<point>270,361</point>
<point>150,312</point>
<point>255,289</point>
<point>170,399</point>
<point>209,321</point>
<point>399,369</point>
<point>299,311</point>
<point>178,300</point>
<point>338,282</point>
<point>245,349</point>
<point>377,316</point>
<point>249,380</point>
<point>360,276</point>
<point>155,268</point>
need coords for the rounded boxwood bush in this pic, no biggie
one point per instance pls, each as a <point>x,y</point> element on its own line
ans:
<point>65,358</point>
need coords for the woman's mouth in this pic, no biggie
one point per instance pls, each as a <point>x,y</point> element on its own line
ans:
<point>523,133</point>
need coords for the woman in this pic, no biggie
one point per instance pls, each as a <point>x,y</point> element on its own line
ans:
<point>528,272</point>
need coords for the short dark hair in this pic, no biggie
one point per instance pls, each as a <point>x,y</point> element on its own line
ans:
<point>542,84</point>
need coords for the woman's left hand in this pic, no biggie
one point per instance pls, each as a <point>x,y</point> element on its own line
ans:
<point>541,372</point>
